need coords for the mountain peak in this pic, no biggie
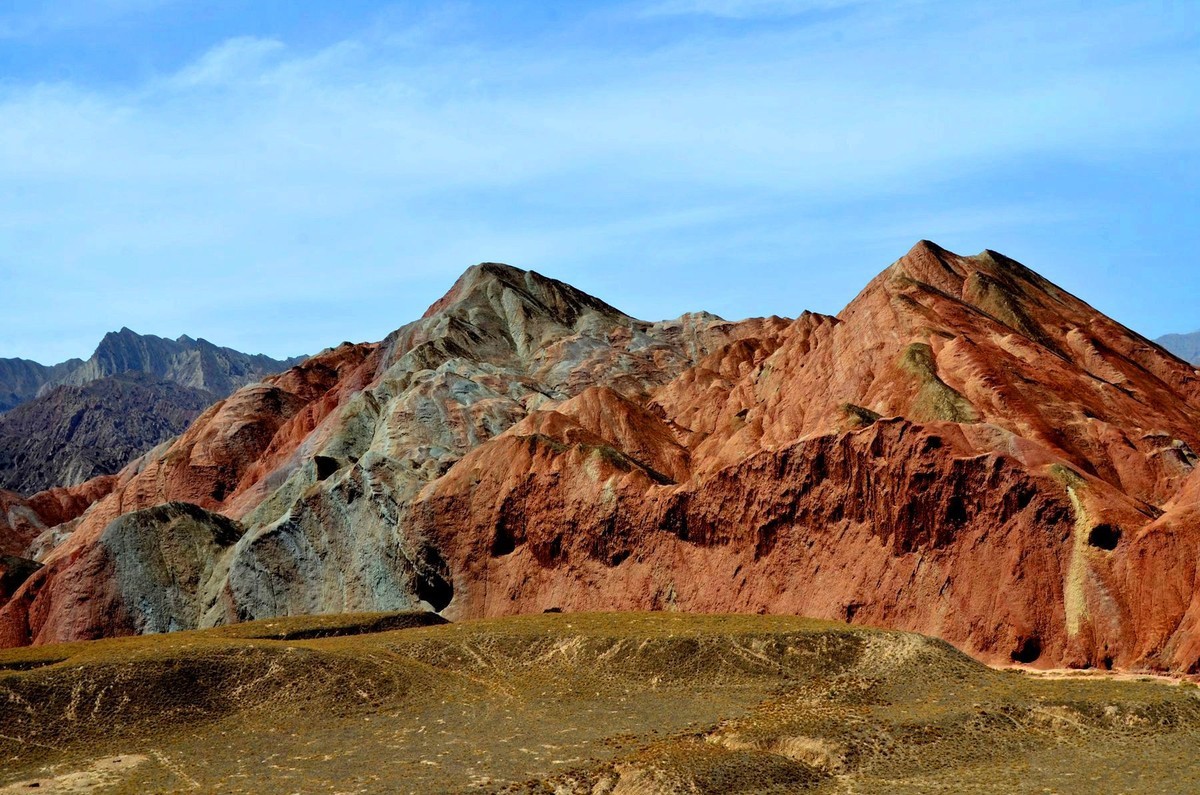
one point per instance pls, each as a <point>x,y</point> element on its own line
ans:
<point>961,407</point>
<point>490,282</point>
<point>931,264</point>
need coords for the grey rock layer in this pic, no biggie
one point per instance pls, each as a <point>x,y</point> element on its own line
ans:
<point>165,563</point>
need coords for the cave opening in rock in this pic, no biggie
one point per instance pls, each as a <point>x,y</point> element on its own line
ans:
<point>326,466</point>
<point>1028,650</point>
<point>1104,536</point>
<point>503,542</point>
<point>434,589</point>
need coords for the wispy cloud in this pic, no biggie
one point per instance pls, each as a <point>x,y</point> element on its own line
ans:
<point>232,189</point>
<point>230,63</point>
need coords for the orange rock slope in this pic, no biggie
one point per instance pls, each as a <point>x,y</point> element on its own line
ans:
<point>965,450</point>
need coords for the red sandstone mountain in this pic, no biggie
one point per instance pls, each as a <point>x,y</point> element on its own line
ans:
<point>965,450</point>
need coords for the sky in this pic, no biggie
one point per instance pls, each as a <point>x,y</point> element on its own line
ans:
<point>281,176</point>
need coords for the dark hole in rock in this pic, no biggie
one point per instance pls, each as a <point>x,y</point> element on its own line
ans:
<point>553,610</point>
<point>432,586</point>
<point>434,589</point>
<point>1104,536</point>
<point>503,542</point>
<point>1028,650</point>
<point>326,466</point>
<point>956,512</point>
<point>851,611</point>
<point>1107,663</point>
<point>1025,496</point>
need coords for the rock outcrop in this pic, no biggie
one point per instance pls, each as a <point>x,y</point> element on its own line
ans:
<point>965,450</point>
<point>24,520</point>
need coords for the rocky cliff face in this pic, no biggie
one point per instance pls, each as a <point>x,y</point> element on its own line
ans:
<point>965,450</point>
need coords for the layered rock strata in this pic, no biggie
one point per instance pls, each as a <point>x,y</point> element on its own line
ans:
<point>966,450</point>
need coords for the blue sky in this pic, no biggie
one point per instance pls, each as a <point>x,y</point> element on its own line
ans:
<point>282,176</point>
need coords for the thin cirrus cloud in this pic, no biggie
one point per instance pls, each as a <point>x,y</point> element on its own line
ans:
<point>281,198</point>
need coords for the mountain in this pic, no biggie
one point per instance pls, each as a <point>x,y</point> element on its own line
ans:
<point>21,379</point>
<point>72,434</point>
<point>65,424</point>
<point>966,450</point>
<point>1185,346</point>
<point>192,363</point>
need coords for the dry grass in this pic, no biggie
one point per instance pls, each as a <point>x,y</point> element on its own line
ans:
<point>590,703</point>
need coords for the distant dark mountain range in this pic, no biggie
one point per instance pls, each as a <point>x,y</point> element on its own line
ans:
<point>185,361</point>
<point>1185,346</point>
<point>20,379</point>
<point>71,434</point>
<point>66,423</point>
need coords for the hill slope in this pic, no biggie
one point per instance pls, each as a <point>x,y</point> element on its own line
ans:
<point>966,450</point>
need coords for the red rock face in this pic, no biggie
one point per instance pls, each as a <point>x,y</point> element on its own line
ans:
<point>965,450</point>
<point>222,455</point>
<point>24,519</point>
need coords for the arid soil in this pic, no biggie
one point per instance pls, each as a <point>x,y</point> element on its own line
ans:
<point>574,703</point>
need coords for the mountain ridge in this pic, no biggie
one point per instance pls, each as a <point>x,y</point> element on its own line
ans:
<point>134,392</point>
<point>21,379</point>
<point>191,362</point>
<point>962,429</point>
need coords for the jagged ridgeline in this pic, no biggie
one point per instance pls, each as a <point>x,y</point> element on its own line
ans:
<point>77,420</point>
<point>965,450</point>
